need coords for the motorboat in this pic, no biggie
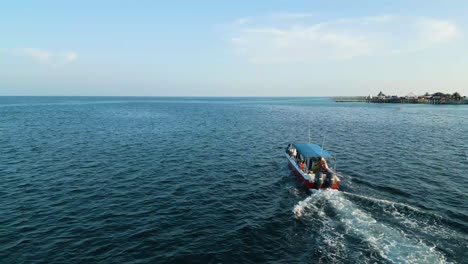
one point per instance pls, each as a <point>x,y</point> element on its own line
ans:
<point>302,159</point>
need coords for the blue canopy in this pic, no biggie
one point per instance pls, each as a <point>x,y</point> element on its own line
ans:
<point>312,150</point>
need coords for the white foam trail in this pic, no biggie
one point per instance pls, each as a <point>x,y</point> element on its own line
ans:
<point>382,201</point>
<point>411,217</point>
<point>301,208</point>
<point>329,240</point>
<point>392,244</point>
<point>294,191</point>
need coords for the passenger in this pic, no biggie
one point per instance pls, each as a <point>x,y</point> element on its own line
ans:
<point>294,153</point>
<point>319,169</point>
<point>302,165</point>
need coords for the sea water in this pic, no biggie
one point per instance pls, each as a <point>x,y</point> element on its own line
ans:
<point>205,180</point>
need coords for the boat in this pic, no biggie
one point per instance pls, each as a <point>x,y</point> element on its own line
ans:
<point>311,153</point>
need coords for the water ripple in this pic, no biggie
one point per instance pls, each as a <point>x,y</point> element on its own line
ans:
<point>169,180</point>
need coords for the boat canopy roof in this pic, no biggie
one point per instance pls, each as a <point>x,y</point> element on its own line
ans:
<point>312,150</point>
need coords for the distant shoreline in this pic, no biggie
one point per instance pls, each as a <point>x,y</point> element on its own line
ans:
<point>349,99</point>
<point>399,100</point>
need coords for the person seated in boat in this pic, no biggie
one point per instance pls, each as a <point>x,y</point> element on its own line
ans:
<point>293,153</point>
<point>320,169</point>
<point>302,165</point>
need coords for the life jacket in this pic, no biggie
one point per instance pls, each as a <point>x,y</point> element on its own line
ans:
<point>302,165</point>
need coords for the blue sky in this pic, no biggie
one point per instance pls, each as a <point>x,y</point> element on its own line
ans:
<point>232,48</point>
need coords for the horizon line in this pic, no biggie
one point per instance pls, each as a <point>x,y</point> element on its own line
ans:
<point>190,96</point>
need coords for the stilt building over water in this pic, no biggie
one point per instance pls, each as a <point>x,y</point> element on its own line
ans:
<point>411,98</point>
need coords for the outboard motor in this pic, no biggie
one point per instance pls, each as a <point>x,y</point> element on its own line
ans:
<point>318,180</point>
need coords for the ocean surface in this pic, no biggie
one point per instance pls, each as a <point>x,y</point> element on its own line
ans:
<point>205,180</point>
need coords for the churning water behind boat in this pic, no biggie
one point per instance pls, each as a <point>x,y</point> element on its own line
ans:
<point>390,242</point>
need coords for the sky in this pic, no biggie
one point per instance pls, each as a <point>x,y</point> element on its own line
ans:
<point>233,48</point>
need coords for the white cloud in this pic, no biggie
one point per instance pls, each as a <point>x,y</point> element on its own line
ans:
<point>70,56</point>
<point>45,56</point>
<point>38,54</point>
<point>435,30</point>
<point>263,40</point>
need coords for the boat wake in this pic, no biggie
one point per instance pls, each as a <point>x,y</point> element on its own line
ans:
<point>341,222</point>
<point>407,216</point>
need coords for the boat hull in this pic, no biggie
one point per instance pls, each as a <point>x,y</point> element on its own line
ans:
<point>301,177</point>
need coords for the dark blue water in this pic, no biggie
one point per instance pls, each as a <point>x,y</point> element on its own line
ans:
<point>205,180</point>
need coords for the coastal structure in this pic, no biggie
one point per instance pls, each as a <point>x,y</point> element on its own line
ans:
<point>411,98</point>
